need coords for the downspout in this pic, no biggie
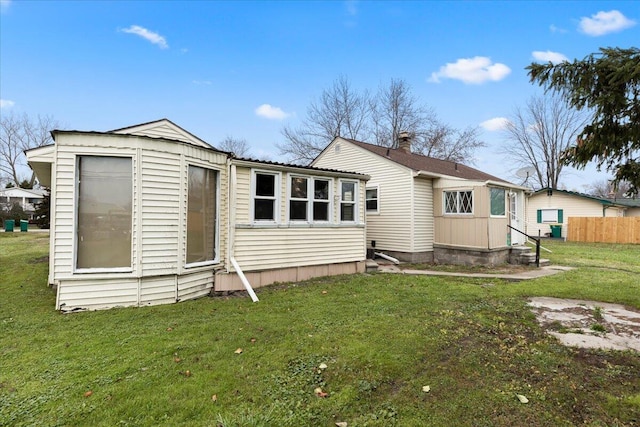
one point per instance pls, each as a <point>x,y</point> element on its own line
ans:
<point>232,233</point>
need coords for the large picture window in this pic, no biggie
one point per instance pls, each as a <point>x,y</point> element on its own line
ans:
<point>104,217</point>
<point>201,215</point>
<point>458,202</point>
<point>348,201</point>
<point>498,202</point>
<point>265,196</point>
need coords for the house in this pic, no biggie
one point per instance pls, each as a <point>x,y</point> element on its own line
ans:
<point>552,207</point>
<point>26,198</point>
<point>152,214</point>
<point>422,209</point>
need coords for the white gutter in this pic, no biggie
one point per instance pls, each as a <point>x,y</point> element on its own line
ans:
<point>387,257</point>
<point>244,280</point>
<point>232,233</point>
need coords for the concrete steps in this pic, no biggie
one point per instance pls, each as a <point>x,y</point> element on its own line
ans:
<point>524,255</point>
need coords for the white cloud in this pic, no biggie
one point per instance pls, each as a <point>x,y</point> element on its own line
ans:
<point>604,23</point>
<point>150,36</point>
<point>5,103</point>
<point>555,29</point>
<point>495,124</point>
<point>270,112</point>
<point>202,82</point>
<point>548,56</point>
<point>476,70</point>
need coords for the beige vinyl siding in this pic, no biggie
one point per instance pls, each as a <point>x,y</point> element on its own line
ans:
<point>391,228</point>
<point>571,206</point>
<point>243,195</point>
<point>160,170</point>
<point>163,130</point>
<point>160,192</point>
<point>94,294</point>
<point>195,285</point>
<point>158,290</point>
<point>268,248</point>
<point>423,215</point>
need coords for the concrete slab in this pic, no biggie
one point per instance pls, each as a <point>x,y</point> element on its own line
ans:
<point>589,324</point>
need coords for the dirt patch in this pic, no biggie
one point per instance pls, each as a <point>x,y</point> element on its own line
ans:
<point>589,324</point>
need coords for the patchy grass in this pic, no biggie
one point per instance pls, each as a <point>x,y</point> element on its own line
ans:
<point>382,338</point>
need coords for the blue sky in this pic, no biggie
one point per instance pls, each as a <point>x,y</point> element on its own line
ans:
<point>246,69</point>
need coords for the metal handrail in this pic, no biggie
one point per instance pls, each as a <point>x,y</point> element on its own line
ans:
<point>536,239</point>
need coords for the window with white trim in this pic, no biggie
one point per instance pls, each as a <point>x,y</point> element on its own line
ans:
<point>458,202</point>
<point>348,201</point>
<point>372,200</point>
<point>309,199</point>
<point>104,213</point>
<point>498,201</point>
<point>265,195</point>
<point>201,215</point>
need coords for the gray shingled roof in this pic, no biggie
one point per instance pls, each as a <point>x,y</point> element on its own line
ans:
<point>418,162</point>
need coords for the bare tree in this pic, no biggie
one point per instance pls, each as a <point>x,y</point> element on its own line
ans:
<point>605,189</point>
<point>395,109</point>
<point>340,111</point>
<point>238,146</point>
<point>538,135</point>
<point>379,119</point>
<point>19,133</point>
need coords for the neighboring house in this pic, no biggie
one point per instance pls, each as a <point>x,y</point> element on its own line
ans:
<point>151,214</point>
<point>552,207</point>
<point>27,199</point>
<point>422,209</point>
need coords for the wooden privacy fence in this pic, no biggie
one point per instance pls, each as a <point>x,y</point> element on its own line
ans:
<point>604,229</point>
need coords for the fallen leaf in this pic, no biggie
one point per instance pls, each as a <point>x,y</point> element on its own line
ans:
<point>426,388</point>
<point>89,393</point>
<point>177,359</point>
<point>214,398</point>
<point>253,340</point>
<point>323,366</point>
<point>187,373</point>
<point>318,391</point>
<point>238,351</point>
<point>522,398</point>
<point>169,329</point>
<point>324,292</point>
<point>341,424</point>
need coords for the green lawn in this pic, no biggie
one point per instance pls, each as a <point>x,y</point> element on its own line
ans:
<point>381,337</point>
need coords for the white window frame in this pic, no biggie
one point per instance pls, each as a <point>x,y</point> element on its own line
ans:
<point>76,199</point>
<point>276,198</point>
<point>458,202</point>
<point>544,220</point>
<point>377,199</point>
<point>216,224</point>
<point>504,191</point>
<point>310,199</point>
<point>355,202</point>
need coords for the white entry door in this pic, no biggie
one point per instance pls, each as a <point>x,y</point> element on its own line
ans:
<point>515,218</point>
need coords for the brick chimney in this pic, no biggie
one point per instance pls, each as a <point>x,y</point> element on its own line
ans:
<point>404,141</point>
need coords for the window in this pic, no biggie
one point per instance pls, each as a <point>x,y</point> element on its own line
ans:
<point>348,201</point>
<point>104,215</point>
<point>498,201</point>
<point>308,199</point>
<point>321,199</point>
<point>265,196</point>
<point>201,215</point>
<point>372,199</point>
<point>458,202</point>
<point>549,215</point>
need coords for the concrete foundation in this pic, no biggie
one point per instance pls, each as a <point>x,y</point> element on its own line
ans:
<point>412,257</point>
<point>231,282</point>
<point>470,256</point>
